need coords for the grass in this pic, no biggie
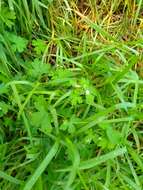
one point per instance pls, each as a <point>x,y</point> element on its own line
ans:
<point>71,83</point>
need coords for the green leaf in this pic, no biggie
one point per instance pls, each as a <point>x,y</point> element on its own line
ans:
<point>113,135</point>
<point>64,125</point>
<point>38,68</point>
<point>103,142</point>
<point>71,128</point>
<point>7,16</point>
<point>18,43</point>
<point>42,120</point>
<point>3,108</point>
<point>39,46</point>
<point>69,124</point>
<point>62,73</point>
<point>32,151</point>
<point>89,99</point>
<point>76,98</point>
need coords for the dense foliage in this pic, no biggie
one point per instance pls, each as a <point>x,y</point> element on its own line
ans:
<point>71,95</point>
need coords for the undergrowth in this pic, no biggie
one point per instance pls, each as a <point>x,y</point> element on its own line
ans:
<point>71,95</point>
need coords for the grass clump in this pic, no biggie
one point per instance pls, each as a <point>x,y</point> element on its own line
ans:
<point>71,95</point>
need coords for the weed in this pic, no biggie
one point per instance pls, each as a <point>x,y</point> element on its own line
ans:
<point>71,95</point>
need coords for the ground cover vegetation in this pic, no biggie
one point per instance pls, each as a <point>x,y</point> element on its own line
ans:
<point>71,94</point>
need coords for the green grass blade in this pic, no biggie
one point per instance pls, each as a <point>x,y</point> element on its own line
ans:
<point>27,99</point>
<point>135,156</point>
<point>76,162</point>
<point>133,171</point>
<point>9,178</point>
<point>41,167</point>
<point>130,182</point>
<point>98,160</point>
<point>17,97</point>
